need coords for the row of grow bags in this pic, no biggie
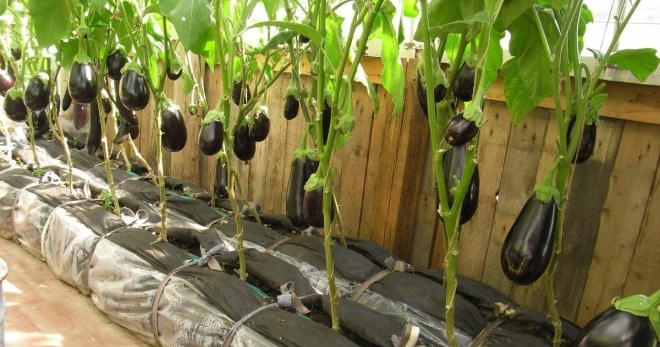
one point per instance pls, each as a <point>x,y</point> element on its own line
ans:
<point>185,293</point>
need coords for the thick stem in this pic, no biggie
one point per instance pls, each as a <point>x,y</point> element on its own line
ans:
<point>106,157</point>
<point>32,144</point>
<point>162,236</point>
<point>231,180</point>
<point>328,244</point>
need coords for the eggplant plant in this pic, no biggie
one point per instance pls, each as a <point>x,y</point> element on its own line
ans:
<point>545,36</point>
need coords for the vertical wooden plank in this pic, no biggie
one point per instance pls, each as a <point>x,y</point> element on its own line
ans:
<point>147,137</point>
<point>493,140</point>
<point>426,216</point>
<point>585,203</point>
<point>380,171</point>
<point>621,219</point>
<point>266,176</point>
<point>410,159</point>
<point>643,275</point>
<point>213,89</point>
<point>518,179</point>
<point>351,162</point>
<point>185,163</point>
<point>532,296</point>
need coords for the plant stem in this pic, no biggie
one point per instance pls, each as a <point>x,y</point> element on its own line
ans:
<point>106,155</point>
<point>30,122</point>
<point>162,235</point>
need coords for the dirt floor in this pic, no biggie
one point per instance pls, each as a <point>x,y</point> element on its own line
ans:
<point>44,311</point>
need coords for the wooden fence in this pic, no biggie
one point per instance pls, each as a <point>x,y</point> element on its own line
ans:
<point>384,187</point>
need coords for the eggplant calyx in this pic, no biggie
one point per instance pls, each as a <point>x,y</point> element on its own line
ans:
<point>546,192</point>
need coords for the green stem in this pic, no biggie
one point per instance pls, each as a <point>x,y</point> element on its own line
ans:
<point>106,155</point>
<point>32,144</point>
<point>226,50</point>
<point>162,235</point>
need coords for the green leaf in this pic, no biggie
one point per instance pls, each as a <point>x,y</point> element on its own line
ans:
<point>460,26</point>
<point>68,49</point>
<point>127,9</point>
<point>392,74</point>
<point>98,5</point>
<point>315,181</point>
<point>640,62</point>
<point>332,45</point>
<point>519,98</point>
<point>279,39</point>
<point>441,12</point>
<point>513,9</point>
<point>313,34</point>
<point>410,8</point>
<point>50,20</point>
<point>494,58</point>
<point>526,45</point>
<point>470,7</point>
<point>556,4</point>
<point>191,19</point>
<point>271,7</point>
<point>3,6</point>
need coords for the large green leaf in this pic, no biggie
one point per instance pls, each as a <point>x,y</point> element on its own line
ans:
<point>533,61</point>
<point>460,26</point>
<point>640,62</point>
<point>50,20</point>
<point>392,74</point>
<point>332,45</point>
<point>191,19</point>
<point>494,57</point>
<point>513,9</point>
<point>271,7</point>
<point>311,33</point>
<point>3,6</point>
<point>67,50</point>
<point>410,8</point>
<point>519,99</point>
<point>441,12</point>
<point>556,4</point>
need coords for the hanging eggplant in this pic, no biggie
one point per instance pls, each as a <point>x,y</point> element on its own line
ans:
<point>617,328</point>
<point>464,83</point>
<point>37,92</point>
<point>587,141</point>
<point>220,182</point>
<point>94,135</point>
<point>460,131</point>
<point>14,106</point>
<point>82,83</point>
<point>453,164</point>
<point>295,194</point>
<point>173,129</point>
<point>211,136</point>
<point>244,147</point>
<point>40,123</point>
<point>260,126</point>
<point>528,246</point>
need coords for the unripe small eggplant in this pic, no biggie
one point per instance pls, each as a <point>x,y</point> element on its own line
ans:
<point>291,107</point>
<point>464,83</point>
<point>260,126</point>
<point>460,131</point>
